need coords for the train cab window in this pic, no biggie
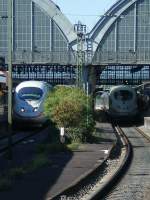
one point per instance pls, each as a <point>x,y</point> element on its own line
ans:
<point>30,93</point>
<point>123,95</point>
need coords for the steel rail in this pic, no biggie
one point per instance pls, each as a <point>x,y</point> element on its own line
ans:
<point>132,183</point>
<point>17,141</point>
<point>142,133</point>
<point>117,174</point>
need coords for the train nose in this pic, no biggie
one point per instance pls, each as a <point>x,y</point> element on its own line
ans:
<point>34,104</point>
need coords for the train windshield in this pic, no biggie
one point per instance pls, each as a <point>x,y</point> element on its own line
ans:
<point>123,95</point>
<point>30,93</point>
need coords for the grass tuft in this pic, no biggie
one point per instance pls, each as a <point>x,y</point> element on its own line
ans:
<point>56,148</point>
<point>5,184</point>
<point>17,172</point>
<point>39,161</point>
<point>51,148</point>
<point>73,146</point>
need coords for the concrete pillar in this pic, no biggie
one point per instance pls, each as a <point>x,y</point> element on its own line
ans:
<point>92,79</point>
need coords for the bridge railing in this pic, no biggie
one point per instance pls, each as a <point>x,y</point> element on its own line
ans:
<point>52,57</point>
<point>130,57</point>
<point>70,57</point>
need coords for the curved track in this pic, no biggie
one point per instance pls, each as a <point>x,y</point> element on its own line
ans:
<point>135,184</point>
<point>100,181</point>
<point>135,180</point>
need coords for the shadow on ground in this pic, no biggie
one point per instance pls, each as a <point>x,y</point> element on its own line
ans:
<point>34,185</point>
<point>42,183</point>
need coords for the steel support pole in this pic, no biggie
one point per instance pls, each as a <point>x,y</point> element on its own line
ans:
<point>10,78</point>
<point>80,61</point>
<point>81,31</point>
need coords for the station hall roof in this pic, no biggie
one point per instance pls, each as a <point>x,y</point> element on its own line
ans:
<point>102,26</point>
<point>55,13</point>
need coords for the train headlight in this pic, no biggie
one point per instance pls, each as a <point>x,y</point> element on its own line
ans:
<point>35,109</point>
<point>22,110</point>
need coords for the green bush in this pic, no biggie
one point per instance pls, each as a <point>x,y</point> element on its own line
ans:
<point>69,107</point>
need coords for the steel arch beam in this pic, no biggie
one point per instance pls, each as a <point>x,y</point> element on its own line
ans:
<point>54,12</point>
<point>100,30</point>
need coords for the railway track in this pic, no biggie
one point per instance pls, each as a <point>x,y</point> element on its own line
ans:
<point>19,137</point>
<point>97,184</point>
<point>135,183</point>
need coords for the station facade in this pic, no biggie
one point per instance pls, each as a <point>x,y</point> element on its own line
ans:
<point>122,35</point>
<point>41,33</point>
<point>44,40</point>
<point>121,40</point>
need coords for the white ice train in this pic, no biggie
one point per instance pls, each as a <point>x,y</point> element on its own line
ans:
<point>123,102</point>
<point>28,102</point>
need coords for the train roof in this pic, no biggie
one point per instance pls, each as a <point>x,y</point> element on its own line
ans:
<point>32,83</point>
<point>123,87</point>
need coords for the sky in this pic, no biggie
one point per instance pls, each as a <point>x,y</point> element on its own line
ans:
<point>86,11</point>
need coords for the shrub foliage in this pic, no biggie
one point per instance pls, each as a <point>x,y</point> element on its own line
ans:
<point>69,107</point>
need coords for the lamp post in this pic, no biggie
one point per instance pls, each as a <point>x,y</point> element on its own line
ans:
<point>10,78</point>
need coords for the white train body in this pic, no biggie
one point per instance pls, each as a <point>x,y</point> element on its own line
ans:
<point>123,102</point>
<point>29,99</point>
